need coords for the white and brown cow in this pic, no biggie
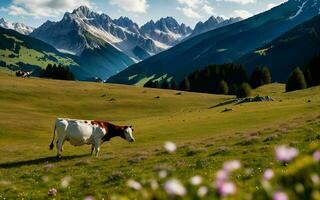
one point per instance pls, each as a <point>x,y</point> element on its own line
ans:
<point>94,133</point>
<point>23,74</point>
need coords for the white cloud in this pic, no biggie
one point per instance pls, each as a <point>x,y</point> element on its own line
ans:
<point>242,13</point>
<point>190,3</point>
<point>135,6</point>
<point>240,1</point>
<point>193,8</point>
<point>189,12</point>
<point>271,5</point>
<point>208,9</point>
<point>45,8</point>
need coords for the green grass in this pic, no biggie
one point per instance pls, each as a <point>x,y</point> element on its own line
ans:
<point>31,56</point>
<point>205,137</point>
<point>263,52</point>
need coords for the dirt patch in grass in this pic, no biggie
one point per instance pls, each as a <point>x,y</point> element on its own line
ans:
<point>116,177</point>
<point>221,151</point>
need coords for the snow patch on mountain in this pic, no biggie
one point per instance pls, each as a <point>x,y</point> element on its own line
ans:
<point>19,27</point>
<point>67,52</point>
<point>83,29</point>
<point>166,31</point>
<point>300,10</point>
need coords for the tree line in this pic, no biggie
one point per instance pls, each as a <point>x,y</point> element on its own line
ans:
<point>230,78</point>
<point>233,79</point>
<point>308,77</point>
<point>57,72</point>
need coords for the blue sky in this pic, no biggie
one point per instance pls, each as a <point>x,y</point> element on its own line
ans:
<point>35,12</point>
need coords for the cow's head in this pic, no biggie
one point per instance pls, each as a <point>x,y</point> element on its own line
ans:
<point>128,133</point>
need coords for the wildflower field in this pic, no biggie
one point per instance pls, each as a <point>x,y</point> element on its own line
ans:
<point>185,147</point>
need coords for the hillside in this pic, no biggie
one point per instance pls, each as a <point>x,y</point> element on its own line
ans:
<point>18,51</point>
<point>206,137</point>
<point>293,49</point>
<point>222,45</point>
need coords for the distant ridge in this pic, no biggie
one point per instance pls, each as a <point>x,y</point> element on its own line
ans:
<point>226,44</point>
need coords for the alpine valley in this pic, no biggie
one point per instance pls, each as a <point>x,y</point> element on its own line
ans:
<point>160,99</point>
<point>120,51</point>
<point>253,36</point>
<point>101,46</point>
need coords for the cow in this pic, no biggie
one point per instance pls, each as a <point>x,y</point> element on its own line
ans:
<point>23,74</point>
<point>90,132</point>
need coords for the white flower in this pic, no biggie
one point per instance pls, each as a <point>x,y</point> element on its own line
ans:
<point>170,147</point>
<point>315,179</point>
<point>89,198</point>
<point>232,165</point>
<point>163,174</point>
<point>65,182</point>
<point>286,154</point>
<point>280,196</point>
<point>202,191</point>
<point>196,180</point>
<point>134,184</point>
<point>227,188</point>
<point>174,188</point>
<point>268,175</point>
<point>52,192</point>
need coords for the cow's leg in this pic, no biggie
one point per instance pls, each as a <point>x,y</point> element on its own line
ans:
<point>92,148</point>
<point>97,147</point>
<point>61,131</point>
<point>60,143</point>
<point>59,148</point>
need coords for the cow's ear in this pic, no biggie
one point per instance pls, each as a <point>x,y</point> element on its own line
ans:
<point>125,127</point>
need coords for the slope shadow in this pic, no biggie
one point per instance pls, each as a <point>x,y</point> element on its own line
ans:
<point>39,161</point>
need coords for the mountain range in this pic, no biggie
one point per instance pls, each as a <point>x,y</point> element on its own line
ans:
<point>21,52</point>
<point>106,46</point>
<point>103,46</point>
<point>19,27</point>
<point>95,46</point>
<point>213,23</point>
<point>225,44</point>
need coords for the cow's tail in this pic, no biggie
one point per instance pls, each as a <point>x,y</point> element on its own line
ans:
<point>54,135</point>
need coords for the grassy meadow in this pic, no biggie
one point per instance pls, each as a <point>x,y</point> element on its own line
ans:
<point>206,137</point>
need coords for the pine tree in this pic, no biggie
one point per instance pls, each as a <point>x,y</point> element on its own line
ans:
<point>223,88</point>
<point>244,90</point>
<point>165,85</point>
<point>260,77</point>
<point>151,84</point>
<point>312,72</point>
<point>296,81</point>
<point>174,85</point>
<point>266,76</point>
<point>185,85</point>
<point>60,72</point>
<point>233,89</point>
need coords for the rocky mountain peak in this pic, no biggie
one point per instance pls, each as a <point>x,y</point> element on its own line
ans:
<point>82,11</point>
<point>213,23</point>
<point>19,27</point>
